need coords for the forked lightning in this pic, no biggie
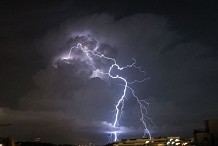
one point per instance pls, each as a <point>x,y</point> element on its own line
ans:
<point>126,86</point>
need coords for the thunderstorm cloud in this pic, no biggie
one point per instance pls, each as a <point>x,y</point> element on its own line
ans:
<point>66,104</point>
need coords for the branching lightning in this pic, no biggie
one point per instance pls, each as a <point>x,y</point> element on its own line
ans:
<point>126,86</point>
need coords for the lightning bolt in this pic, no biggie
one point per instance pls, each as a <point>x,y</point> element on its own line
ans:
<point>143,105</point>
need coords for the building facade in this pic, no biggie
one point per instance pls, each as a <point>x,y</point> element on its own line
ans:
<point>209,135</point>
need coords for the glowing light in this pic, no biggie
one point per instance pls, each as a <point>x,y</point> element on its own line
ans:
<point>178,143</point>
<point>90,54</point>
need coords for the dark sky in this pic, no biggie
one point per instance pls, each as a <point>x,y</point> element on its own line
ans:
<point>174,41</point>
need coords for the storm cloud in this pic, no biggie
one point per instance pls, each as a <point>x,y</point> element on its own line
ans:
<point>66,105</point>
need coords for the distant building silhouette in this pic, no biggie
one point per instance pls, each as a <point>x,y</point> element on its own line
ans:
<point>7,141</point>
<point>207,136</point>
<point>37,143</point>
<point>34,144</point>
<point>156,141</point>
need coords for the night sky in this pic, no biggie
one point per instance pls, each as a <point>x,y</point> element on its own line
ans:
<point>174,41</point>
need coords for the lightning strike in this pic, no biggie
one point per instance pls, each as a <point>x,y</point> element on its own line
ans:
<point>126,86</point>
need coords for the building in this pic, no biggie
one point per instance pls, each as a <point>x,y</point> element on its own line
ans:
<point>7,141</point>
<point>209,135</point>
<point>156,141</point>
